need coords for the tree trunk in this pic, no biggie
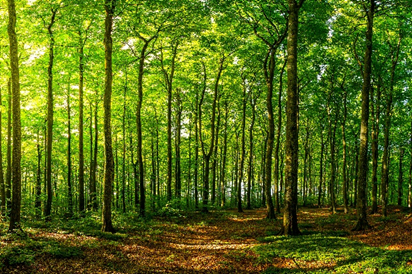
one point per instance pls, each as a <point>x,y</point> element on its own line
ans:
<point>215,158</point>
<point>178,169</point>
<point>2,185</point>
<point>344,165</point>
<point>224,157</point>
<point>16,168</point>
<point>9,128</point>
<point>169,87</point>
<point>37,201</point>
<point>362,222</point>
<point>278,134</point>
<point>69,154</point>
<point>375,143</point>
<point>250,169</point>
<point>243,150</point>
<point>400,177</point>
<point>290,221</point>
<point>322,149</point>
<point>50,110</point>
<point>107,101</point>
<point>81,146</point>
<point>93,188</point>
<point>124,149</point>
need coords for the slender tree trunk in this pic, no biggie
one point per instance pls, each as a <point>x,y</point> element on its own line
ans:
<point>69,154</point>
<point>93,188</point>
<point>124,149</point>
<point>178,170</point>
<point>400,177</point>
<point>50,107</point>
<point>169,87</point>
<point>271,128</point>
<point>16,168</point>
<point>322,149</point>
<point>243,149</point>
<point>250,169</point>
<point>2,185</point>
<point>224,157</point>
<point>375,150</point>
<point>9,128</point>
<point>37,201</point>
<point>195,183</point>
<point>290,220</point>
<point>107,101</point>
<point>344,165</point>
<point>362,222</point>
<point>410,174</point>
<point>81,146</point>
<point>215,158</point>
<point>278,134</point>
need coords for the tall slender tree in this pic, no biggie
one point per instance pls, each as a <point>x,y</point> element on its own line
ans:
<point>15,79</point>
<point>109,7</point>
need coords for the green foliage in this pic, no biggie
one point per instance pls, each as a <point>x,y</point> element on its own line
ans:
<point>346,255</point>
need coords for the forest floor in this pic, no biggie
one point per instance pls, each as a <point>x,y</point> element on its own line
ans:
<point>219,242</point>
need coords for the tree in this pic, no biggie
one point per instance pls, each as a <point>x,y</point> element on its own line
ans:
<point>362,222</point>
<point>110,6</point>
<point>290,221</point>
<point>15,79</point>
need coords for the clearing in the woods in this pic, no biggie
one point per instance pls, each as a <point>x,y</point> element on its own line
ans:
<point>219,242</point>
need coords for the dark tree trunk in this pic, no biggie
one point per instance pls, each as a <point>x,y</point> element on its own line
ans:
<point>400,177</point>
<point>16,168</point>
<point>107,101</point>
<point>278,134</point>
<point>250,169</point>
<point>224,157</point>
<point>290,220</point>
<point>215,158</point>
<point>344,165</point>
<point>124,149</point>
<point>375,150</point>
<point>69,154</point>
<point>9,128</point>
<point>2,185</point>
<point>93,188</point>
<point>410,174</point>
<point>50,110</point>
<point>178,169</point>
<point>243,149</point>
<point>81,132</point>
<point>362,222</point>
<point>322,149</point>
<point>168,78</point>
<point>37,201</point>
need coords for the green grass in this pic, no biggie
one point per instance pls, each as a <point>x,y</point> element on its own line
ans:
<point>346,255</point>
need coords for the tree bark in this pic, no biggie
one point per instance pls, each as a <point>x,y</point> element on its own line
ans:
<point>344,164</point>
<point>69,154</point>
<point>50,111</point>
<point>81,132</point>
<point>107,101</point>
<point>15,79</point>
<point>2,185</point>
<point>290,221</point>
<point>362,222</point>
<point>400,177</point>
<point>8,155</point>
<point>375,143</point>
